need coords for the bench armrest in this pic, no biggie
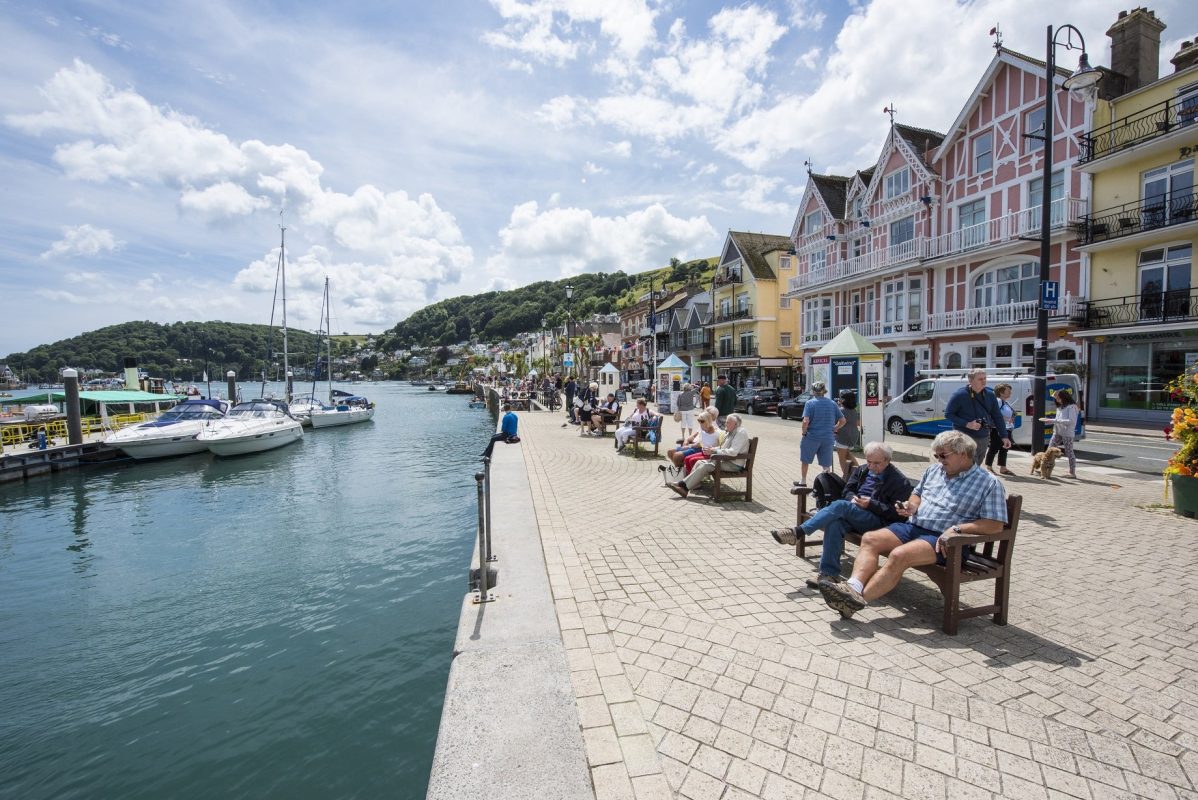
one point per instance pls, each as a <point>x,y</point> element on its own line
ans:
<point>727,457</point>
<point>801,491</point>
<point>961,540</point>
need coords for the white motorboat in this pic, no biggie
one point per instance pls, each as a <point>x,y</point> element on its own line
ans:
<point>172,434</point>
<point>348,409</point>
<point>302,406</point>
<point>251,428</point>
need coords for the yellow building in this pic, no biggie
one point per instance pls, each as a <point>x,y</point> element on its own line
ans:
<point>753,328</point>
<point>1141,322</point>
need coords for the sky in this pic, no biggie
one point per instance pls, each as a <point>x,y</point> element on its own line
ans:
<point>416,151</point>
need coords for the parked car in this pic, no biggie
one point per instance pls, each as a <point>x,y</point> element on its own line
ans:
<point>758,401</point>
<point>792,407</point>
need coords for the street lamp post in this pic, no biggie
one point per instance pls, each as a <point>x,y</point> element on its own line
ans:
<point>569,321</point>
<point>1083,77</point>
<point>653,336</point>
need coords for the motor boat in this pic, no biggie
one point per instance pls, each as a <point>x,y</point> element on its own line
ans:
<point>301,408</point>
<point>172,434</point>
<point>252,427</point>
<point>348,409</point>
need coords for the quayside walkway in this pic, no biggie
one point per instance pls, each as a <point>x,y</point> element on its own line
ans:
<point>703,668</point>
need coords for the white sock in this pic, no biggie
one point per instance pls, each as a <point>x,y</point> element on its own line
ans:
<point>856,584</point>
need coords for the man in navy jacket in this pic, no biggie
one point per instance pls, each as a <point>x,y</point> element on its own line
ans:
<point>973,410</point>
<point>867,504</point>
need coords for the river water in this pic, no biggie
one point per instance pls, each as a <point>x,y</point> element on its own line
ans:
<point>272,625</point>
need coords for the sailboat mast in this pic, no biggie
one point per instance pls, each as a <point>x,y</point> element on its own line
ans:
<point>283,273</point>
<point>328,326</point>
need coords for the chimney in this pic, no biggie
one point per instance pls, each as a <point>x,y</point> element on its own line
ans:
<point>1186,57</point>
<point>1136,47</point>
<point>131,381</point>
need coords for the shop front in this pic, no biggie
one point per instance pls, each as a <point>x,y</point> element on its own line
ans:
<point>1130,372</point>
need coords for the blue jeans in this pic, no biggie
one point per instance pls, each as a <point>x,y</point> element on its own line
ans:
<point>835,520</point>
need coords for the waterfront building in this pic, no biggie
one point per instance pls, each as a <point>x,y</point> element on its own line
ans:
<point>689,334</point>
<point>932,253</point>
<point>752,325</point>
<point>1141,322</point>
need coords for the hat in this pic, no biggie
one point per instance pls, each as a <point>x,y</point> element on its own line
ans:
<point>819,386</point>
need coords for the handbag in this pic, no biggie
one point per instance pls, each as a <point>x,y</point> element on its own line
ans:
<point>678,416</point>
<point>578,402</point>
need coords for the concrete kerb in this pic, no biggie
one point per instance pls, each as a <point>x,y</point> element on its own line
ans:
<point>510,725</point>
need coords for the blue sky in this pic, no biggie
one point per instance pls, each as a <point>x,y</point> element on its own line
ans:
<point>427,150</point>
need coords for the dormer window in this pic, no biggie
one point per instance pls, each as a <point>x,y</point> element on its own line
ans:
<point>983,153</point>
<point>897,183</point>
<point>813,222</point>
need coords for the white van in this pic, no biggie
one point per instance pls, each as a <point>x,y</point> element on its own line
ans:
<point>919,411</point>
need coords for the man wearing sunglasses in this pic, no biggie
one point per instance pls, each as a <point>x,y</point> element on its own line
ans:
<point>954,497</point>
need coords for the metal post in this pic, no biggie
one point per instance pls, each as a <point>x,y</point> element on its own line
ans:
<point>1040,384</point>
<point>487,496</point>
<point>231,377</point>
<point>483,593</point>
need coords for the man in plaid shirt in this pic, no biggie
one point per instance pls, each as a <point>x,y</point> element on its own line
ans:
<point>954,497</point>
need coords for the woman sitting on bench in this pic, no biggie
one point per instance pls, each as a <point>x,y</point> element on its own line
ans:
<point>641,416</point>
<point>706,435</point>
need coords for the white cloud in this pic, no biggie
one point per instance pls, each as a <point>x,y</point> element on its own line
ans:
<point>591,168</point>
<point>752,193</point>
<point>83,240</point>
<point>561,112</point>
<point>557,242</point>
<point>804,15</point>
<point>810,59</point>
<point>221,200</point>
<point>621,149</point>
<point>552,31</point>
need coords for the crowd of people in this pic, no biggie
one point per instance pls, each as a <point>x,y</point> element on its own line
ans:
<point>959,494</point>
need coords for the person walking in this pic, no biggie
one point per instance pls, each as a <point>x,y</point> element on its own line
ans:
<point>704,394</point>
<point>1063,426</point>
<point>571,390</point>
<point>972,410</point>
<point>686,409</point>
<point>1003,393</point>
<point>725,399</point>
<point>822,418</point>
<point>848,438</point>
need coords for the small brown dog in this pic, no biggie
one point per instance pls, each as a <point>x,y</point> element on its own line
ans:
<point>1044,462</point>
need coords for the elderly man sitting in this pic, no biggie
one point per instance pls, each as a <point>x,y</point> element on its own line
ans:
<point>868,502</point>
<point>736,444</point>
<point>954,497</point>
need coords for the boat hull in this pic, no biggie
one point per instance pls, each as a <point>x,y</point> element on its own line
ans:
<point>161,448</point>
<point>253,441</point>
<point>330,419</point>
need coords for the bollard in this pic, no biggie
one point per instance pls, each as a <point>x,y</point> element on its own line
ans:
<point>70,380</point>
<point>483,593</point>
<point>231,378</point>
<point>487,495</point>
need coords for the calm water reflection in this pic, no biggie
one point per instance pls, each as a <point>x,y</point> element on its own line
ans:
<point>278,624</point>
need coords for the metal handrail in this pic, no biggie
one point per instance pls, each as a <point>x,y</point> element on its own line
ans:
<point>1139,216</point>
<point>1139,127</point>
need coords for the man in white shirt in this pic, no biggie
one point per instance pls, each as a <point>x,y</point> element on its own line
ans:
<point>736,444</point>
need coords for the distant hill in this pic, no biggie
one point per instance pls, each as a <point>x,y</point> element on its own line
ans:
<point>180,350</point>
<point>493,316</point>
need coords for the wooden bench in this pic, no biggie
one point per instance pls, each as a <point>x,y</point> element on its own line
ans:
<point>719,476</point>
<point>612,422</point>
<point>642,435</point>
<point>990,562</point>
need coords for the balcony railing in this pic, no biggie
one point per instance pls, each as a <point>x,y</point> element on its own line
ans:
<point>747,352</point>
<point>1180,305</point>
<point>996,316</point>
<point>911,250</point>
<point>1139,216</point>
<point>1007,228</point>
<point>732,314</point>
<point>1142,126</point>
<point>727,276</point>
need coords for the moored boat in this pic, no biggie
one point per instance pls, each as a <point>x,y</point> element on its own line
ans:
<point>353,408</point>
<point>251,428</point>
<point>172,434</point>
<point>460,387</point>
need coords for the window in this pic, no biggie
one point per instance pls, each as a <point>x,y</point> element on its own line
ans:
<point>1187,104</point>
<point>902,230</point>
<point>897,304</point>
<point>952,360</point>
<point>817,317</point>
<point>898,183</point>
<point>784,263</point>
<point>1014,284</point>
<point>858,207</point>
<point>742,302</point>
<point>971,222</point>
<point>860,246</point>
<point>983,153</point>
<point>725,308</point>
<point>784,302</point>
<point>817,261</point>
<point>1169,194</point>
<point>914,304</point>
<point>921,392</point>
<point>1165,282</point>
<point>784,339</point>
<point>725,347</point>
<point>813,222</point>
<point>1035,196</point>
<point>1033,125</point>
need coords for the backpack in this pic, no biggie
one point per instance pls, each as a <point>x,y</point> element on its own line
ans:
<point>827,487</point>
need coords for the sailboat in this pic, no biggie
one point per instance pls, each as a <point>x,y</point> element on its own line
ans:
<point>343,408</point>
<point>259,424</point>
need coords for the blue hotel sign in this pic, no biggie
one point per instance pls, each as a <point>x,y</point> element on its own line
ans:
<point>1049,292</point>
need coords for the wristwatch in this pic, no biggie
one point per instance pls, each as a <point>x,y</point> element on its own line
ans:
<point>957,529</point>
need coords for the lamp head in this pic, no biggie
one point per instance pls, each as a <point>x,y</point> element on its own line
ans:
<point>1084,76</point>
<point>569,291</point>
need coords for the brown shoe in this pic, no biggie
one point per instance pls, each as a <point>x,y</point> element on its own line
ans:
<point>785,536</point>
<point>680,488</point>
<point>1005,471</point>
<point>815,580</point>
<point>842,597</point>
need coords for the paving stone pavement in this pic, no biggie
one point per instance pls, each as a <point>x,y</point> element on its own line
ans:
<point>704,668</point>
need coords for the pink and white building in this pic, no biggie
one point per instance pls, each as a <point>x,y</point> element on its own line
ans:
<point>933,252</point>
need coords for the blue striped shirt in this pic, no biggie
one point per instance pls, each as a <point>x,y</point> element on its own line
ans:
<point>972,495</point>
<point>823,414</point>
